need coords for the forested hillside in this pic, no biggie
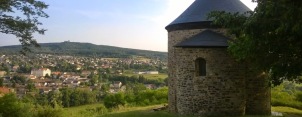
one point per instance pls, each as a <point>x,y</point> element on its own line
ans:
<point>85,49</point>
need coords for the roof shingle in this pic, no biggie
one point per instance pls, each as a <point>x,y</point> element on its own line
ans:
<point>206,38</point>
<point>199,10</point>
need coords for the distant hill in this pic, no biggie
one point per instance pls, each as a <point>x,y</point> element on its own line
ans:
<point>85,49</point>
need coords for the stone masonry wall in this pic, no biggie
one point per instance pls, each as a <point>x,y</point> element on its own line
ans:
<point>223,91</point>
<point>259,94</point>
<point>174,38</point>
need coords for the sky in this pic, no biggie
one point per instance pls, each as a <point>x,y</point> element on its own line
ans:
<point>137,24</point>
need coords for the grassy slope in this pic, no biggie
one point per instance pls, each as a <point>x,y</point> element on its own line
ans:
<point>150,76</point>
<point>138,112</point>
<point>81,111</point>
<point>288,112</point>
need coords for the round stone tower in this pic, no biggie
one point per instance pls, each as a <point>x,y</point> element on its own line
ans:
<point>203,78</point>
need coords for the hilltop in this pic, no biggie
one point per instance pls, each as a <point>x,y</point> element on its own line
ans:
<point>85,49</point>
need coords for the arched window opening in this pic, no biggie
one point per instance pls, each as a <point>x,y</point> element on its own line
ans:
<point>200,67</point>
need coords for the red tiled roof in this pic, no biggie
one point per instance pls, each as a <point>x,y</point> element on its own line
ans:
<point>4,90</point>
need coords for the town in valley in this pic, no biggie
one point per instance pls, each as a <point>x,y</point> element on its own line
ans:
<point>44,73</point>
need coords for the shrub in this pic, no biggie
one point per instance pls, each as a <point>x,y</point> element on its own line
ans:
<point>286,95</point>
<point>47,111</point>
<point>94,111</point>
<point>114,100</point>
<point>141,98</point>
<point>299,96</point>
<point>11,106</point>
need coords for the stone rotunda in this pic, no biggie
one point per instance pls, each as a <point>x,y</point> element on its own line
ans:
<point>203,78</point>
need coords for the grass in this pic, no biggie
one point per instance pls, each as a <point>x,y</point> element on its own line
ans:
<point>146,112</point>
<point>84,111</point>
<point>286,95</point>
<point>150,76</point>
<point>288,112</point>
<point>81,111</point>
<point>140,112</point>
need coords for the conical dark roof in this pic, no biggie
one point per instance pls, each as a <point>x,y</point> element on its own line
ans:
<point>199,10</point>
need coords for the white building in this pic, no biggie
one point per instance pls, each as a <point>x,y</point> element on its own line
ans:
<point>40,72</point>
<point>151,72</point>
<point>2,73</point>
<point>147,72</point>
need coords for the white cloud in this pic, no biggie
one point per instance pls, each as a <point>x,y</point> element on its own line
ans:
<point>249,4</point>
<point>173,9</point>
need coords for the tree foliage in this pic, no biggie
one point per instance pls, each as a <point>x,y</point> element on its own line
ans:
<point>20,18</point>
<point>140,98</point>
<point>269,37</point>
<point>11,106</point>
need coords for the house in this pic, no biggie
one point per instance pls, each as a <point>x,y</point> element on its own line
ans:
<point>117,84</point>
<point>3,91</point>
<point>147,72</point>
<point>151,72</point>
<point>42,82</point>
<point>20,90</point>
<point>30,76</point>
<point>115,87</point>
<point>45,90</point>
<point>15,68</point>
<point>2,73</point>
<point>85,73</point>
<point>40,72</point>
<point>79,67</point>
<point>76,83</point>
<point>150,86</point>
<point>56,74</point>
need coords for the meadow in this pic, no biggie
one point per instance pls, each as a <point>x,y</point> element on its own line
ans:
<point>285,99</point>
<point>149,76</point>
<point>90,110</point>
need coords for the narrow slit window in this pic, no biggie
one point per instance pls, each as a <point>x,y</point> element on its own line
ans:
<point>200,66</point>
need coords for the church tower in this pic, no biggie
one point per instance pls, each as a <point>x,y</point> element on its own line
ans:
<point>203,78</point>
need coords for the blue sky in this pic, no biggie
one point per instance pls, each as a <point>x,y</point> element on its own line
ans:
<point>137,24</point>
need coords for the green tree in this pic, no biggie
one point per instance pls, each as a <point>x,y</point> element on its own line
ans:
<point>1,82</point>
<point>47,76</point>
<point>66,92</point>
<point>269,38</point>
<point>19,79</point>
<point>105,88</point>
<point>55,99</point>
<point>42,99</point>
<point>10,106</point>
<point>31,87</point>
<point>24,68</point>
<point>114,100</point>
<point>76,98</point>
<point>20,18</point>
<point>89,97</point>
<point>94,80</point>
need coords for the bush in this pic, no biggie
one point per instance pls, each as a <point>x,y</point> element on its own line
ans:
<point>95,111</point>
<point>286,95</point>
<point>101,110</point>
<point>299,96</point>
<point>114,100</point>
<point>11,106</point>
<point>141,98</point>
<point>47,111</point>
